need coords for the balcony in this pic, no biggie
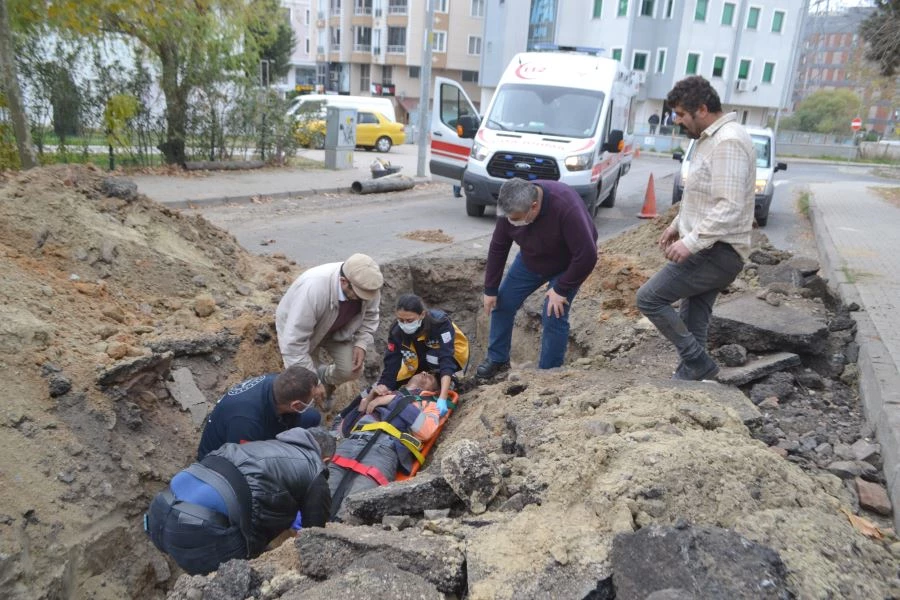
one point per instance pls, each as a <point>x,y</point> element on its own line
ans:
<point>376,50</point>
<point>363,11</point>
<point>397,9</point>
<point>362,48</point>
<point>396,49</point>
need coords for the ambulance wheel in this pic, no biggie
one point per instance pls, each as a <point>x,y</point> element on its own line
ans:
<point>611,198</point>
<point>473,209</point>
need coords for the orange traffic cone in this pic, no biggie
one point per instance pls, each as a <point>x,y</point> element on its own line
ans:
<point>637,152</point>
<point>649,209</point>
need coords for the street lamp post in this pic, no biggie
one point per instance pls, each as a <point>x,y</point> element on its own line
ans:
<point>425,88</point>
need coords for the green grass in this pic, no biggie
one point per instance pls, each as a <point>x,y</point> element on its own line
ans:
<point>803,204</point>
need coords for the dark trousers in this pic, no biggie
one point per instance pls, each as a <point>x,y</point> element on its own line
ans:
<point>696,282</point>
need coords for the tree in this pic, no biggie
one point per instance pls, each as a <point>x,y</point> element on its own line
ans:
<point>276,39</point>
<point>881,31</point>
<point>9,81</point>
<point>826,111</point>
<point>194,42</point>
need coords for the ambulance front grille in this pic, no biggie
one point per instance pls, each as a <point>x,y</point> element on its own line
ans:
<point>506,165</point>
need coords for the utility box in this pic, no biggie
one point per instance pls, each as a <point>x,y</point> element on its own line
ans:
<point>340,137</point>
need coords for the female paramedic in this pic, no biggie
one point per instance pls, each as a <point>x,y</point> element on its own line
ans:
<point>422,339</point>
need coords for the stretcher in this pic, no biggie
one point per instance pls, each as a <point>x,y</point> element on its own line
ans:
<point>452,402</point>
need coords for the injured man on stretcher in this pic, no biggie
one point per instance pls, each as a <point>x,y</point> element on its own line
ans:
<point>383,434</point>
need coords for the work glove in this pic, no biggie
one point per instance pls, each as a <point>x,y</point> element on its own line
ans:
<point>442,406</point>
<point>297,525</point>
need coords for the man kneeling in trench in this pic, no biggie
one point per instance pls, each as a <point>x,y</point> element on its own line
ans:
<point>383,434</point>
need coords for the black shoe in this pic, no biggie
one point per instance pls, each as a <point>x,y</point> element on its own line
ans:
<point>703,367</point>
<point>489,368</point>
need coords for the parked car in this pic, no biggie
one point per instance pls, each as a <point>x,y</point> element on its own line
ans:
<point>766,167</point>
<point>374,131</point>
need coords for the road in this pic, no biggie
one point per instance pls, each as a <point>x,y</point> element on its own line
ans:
<point>328,227</point>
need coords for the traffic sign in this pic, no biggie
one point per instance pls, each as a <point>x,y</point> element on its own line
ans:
<point>856,124</point>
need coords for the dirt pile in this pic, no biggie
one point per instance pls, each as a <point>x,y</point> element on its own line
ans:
<point>95,277</point>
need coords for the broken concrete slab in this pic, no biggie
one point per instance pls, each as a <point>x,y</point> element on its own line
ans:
<point>780,273</point>
<point>185,391</point>
<point>326,553</point>
<point>760,327</point>
<point>728,396</point>
<point>472,474</point>
<point>411,497</point>
<point>699,562</point>
<point>366,579</point>
<point>131,372</point>
<point>758,368</point>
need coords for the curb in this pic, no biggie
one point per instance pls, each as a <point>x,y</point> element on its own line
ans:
<point>879,383</point>
<point>248,198</point>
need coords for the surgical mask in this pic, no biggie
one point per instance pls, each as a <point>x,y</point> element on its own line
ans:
<point>304,409</point>
<point>410,328</point>
<point>521,223</point>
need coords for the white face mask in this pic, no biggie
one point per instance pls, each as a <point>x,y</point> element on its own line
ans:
<point>521,223</point>
<point>410,328</point>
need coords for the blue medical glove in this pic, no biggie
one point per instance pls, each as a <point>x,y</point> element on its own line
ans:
<point>297,525</point>
<point>442,406</point>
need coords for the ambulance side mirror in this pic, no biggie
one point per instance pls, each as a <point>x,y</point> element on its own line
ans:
<point>615,142</point>
<point>467,125</point>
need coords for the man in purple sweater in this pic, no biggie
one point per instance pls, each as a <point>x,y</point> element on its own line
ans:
<point>557,246</point>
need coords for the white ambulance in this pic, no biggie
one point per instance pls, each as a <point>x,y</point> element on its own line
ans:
<point>555,115</point>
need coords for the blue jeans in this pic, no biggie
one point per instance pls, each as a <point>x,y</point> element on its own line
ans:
<point>696,282</point>
<point>518,284</point>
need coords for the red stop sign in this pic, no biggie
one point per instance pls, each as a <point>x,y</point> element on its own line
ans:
<point>856,124</point>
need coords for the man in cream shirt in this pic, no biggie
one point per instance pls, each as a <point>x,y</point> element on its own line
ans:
<point>708,241</point>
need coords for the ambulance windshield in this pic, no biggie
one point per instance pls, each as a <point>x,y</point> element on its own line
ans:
<point>546,110</point>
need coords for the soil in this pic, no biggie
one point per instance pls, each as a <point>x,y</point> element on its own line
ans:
<point>102,296</point>
<point>434,236</point>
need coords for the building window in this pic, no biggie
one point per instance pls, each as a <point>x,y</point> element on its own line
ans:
<point>660,60</point>
<point>363,42</point>
<point>700,10</point>
<point>728,14</point>
<point>623,8</point>
<point>441,6</point>
<point>397,7</point>
<point>647,8</point>
<point>321,73</point>
<point>477,8</point>
<point>414,72</point>
<point>365,78</point>
<point>387,75</point>
<point>598,9</point>
<point>777,21</point>
<point>307,16</point>
<point>693,62</point>
<point>744,69</point>
<point>470,76</point>
<point>307,45</point>
<point>474,45</point>
<point>639,61</point>
<point>396,40</point>
<point>363,7</point>
<point>439,41</point>
<point>336,38</point>
<point>617,54</point>
<point>669,8</point>
<point>542,23</point>
<point>718,66</point>
<point>753,17</point>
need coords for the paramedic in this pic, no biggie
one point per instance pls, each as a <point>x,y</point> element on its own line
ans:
<point>262,407</point>
<point>557,246</point>
<point>422,339</point>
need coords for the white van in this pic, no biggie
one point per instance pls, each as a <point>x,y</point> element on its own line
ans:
<point>555,115</point>
<point>385,106</point>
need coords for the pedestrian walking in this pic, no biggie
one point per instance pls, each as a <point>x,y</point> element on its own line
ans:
<point>709,239</point>
<point>654,121</point>
<point>557,246</point>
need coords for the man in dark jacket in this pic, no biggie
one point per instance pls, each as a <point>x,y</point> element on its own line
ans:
<point>241,497</point>
<point>262,407</point>
<point>558,246</point>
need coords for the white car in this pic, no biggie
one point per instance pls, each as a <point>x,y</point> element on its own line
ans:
<point>766,167</point>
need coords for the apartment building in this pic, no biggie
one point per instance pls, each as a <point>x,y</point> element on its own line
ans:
<point>832,57</point>
<point>302,76</point>
<point>376,47</point>
<point>746,48</point>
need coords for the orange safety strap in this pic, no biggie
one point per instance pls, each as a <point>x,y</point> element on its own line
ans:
<point>354,465</point>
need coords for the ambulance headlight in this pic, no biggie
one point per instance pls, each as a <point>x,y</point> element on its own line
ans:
<point>479,152</point>
<point>761,186</point>
<point>579,162</point>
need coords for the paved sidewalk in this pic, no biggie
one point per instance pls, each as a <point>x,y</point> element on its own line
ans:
<point>856,232</point>
<point>223,187</point>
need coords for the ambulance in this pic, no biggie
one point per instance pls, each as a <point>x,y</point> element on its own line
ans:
<point>555,115</point>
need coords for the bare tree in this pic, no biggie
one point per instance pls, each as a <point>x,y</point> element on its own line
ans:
<point>9,80</point>
<point>882,34</point>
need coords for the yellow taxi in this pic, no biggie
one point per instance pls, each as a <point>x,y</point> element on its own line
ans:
<point>374,130</point>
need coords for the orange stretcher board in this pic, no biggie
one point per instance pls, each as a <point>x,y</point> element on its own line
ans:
<point>452,403</point>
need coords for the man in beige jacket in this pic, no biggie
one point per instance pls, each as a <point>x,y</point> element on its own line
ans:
<point>333,306</point>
